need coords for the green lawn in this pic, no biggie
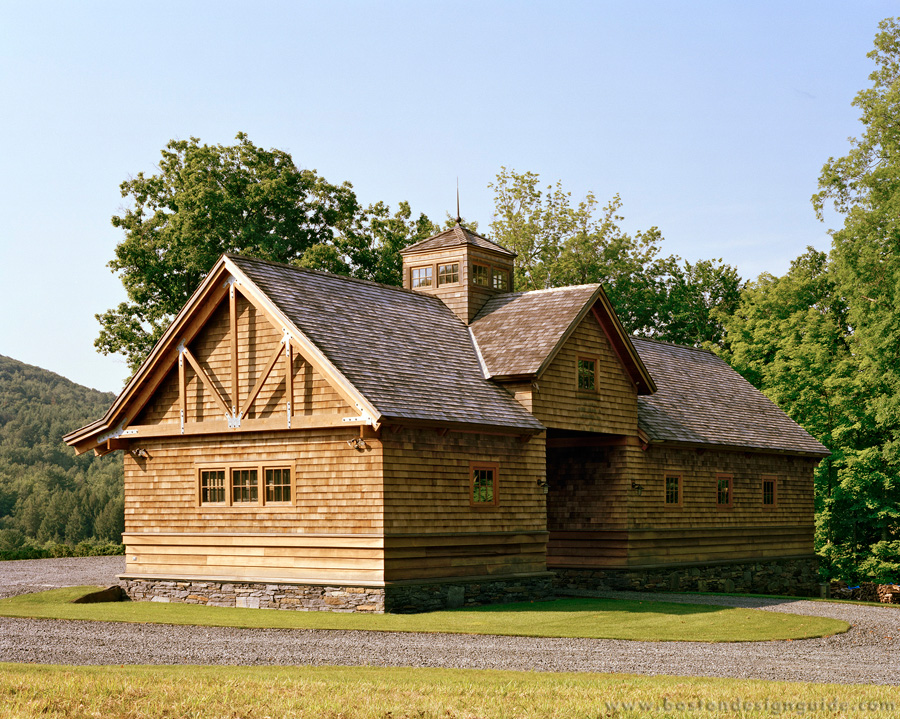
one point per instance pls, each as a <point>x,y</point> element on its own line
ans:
<point>590,618</point>
<point>136,692</point>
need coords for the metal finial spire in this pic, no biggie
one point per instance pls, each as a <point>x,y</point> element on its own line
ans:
<point>458,216</point>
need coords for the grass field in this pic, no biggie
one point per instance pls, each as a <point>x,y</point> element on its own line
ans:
<point>588,618</point>
<point>136,692</point>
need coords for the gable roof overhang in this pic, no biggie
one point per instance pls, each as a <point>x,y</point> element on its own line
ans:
<point>546,319</point>
<point>186,325</point>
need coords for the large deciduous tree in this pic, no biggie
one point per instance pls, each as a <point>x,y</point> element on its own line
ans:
<point>210,199</point>
<point>560,243</point>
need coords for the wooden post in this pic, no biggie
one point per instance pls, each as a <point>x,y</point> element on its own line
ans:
<point>182,386</point>
<point>289,378</point>
<point>232,310</point>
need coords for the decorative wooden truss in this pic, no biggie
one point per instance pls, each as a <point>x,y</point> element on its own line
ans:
<point>226,279</point>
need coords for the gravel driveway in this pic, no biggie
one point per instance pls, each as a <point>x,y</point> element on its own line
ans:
<point>866,654</point>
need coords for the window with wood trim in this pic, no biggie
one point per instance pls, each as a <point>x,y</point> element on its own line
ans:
<point>422,276</point>
<point>278,485</point>
<point>212,486</point>
<point>769,491</point>
<point>499,279</point>
<point>724,491</point>
<point>448,274</point>
<point>587,374</point>
<point>480,275</point>
<point>673,490</point>
<point>244,485</point>
<point>483,480</point>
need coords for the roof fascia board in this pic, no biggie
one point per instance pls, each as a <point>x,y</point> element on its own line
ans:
<point>303,344</point>
<point>212,285</point>
<point>702,447</point>
<point>624,342</point>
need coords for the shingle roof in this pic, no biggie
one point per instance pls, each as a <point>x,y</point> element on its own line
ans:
<point>406,352</point>
<point>455,237</point>
<point>517,331</point>
<point>700,399</point>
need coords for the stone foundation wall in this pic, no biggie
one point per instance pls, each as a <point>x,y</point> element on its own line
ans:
<point>792,577</point>
<point>309,598</point>
<point>304,598</point>
<point>403,599</point>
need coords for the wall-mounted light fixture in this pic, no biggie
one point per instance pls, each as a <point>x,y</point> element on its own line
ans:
<point>357,443</point>
<point>140,453</point>
<point>543,484</point>
<point>639,488</point>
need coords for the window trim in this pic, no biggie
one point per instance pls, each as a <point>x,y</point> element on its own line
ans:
<point>579,358</point>
<point>494,274</point>
<point>432,278</point>
<point>762,486</point>
<point>680,503</point>
<point>719,477</point>
<point>484,506</point>
<point>438,265</point>
<point>487,275</point>
<point>229,468</point>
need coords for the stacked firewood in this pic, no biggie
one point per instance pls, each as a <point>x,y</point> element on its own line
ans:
<point>867,592</point>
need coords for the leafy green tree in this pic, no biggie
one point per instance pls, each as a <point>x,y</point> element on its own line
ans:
<point>560,243</point>
<point>864,187</point>
<point>207,200</point>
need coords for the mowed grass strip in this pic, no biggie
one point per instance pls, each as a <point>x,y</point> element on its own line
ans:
<point>136,692</point>
<point>581,618</point>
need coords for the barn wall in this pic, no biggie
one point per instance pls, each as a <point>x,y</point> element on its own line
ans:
<point>331,530</point>
<point>430,528</point>
<point>597,519</point>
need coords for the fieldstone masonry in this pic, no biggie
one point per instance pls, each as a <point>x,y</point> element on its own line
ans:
<point>304,598</point>
<point>311,598</point>
<point>791,577</point>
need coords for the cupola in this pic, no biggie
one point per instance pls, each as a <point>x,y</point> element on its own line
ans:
<point>461,267</point>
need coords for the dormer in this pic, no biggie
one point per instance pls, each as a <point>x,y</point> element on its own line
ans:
<point>461,267</point>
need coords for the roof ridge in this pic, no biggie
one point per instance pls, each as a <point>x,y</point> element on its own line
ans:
<point>310,270</point>
<point>673,344</point>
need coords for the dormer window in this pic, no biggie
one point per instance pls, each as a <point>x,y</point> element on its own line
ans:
<point>421,277</point>
<point>448,274</point>
<point>499,279</point>
<point>480,275</point>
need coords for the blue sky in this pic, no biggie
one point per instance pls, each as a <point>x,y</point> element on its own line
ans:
<point>711,119</point>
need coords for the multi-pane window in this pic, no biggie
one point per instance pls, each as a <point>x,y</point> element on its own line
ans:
<point>244,485</point>
<point>724,491</point>
<point>483,485</point>
<point>278,485</point>
<point>499,279</point>
<point>212,486</point>
<point>673,489</point>
<point>587,374</point>
<point>480,275</point>
<point>769,491</point>
<point>448,274</point>
<point>421,276</point>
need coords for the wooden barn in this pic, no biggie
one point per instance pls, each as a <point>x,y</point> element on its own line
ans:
<point>303,440</point>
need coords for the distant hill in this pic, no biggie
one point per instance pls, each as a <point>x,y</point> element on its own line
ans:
<point>48,494</point>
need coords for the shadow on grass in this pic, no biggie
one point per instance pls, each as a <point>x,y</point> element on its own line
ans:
<point>575,605</point>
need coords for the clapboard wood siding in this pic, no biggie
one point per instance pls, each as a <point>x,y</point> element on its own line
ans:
<point>558,403</point>
<point>249,557</point>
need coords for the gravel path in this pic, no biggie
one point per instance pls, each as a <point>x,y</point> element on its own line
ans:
<point>866,654</point>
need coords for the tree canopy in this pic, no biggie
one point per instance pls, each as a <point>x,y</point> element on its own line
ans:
<point>560,243</point>
<point>822,341</point>
<point>210,199</point>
